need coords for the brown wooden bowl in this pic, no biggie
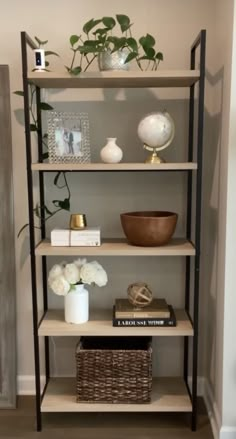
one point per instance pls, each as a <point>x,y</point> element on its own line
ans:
<point>149,228</point>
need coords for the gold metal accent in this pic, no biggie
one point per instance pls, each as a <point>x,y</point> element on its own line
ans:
<point>78,221</point>
<point>154,158</point>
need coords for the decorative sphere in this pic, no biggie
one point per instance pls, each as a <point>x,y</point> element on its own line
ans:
<point>139,294</point>
<point>156,129</point>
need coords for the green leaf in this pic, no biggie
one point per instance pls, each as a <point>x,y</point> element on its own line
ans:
<point>132,43</point>
<point>101,31</point>
<point>159,56</point>
<point>44,106</point>
<point>76,71</point>
<point>101,39</point>
<point>90,25</point>
<point>87,49</point>
<point>123,21</point>
<point>131,56</point>
<point>90,43</point>
<point>37,210</point>
<point>150,52</point>
<point>109,22</point>
<point>147,41</point>
<point>56,178</point>
<point>63,204</point>
<point>40,42</point>
<point>74,39</point>
<point>33,127</point>
<point>118,42</point>
<point>150,40</point>
<point>19,93</point>
<point>49,52</point>
<point>45,156</point>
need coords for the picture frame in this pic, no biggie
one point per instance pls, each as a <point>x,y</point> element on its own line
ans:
<point>68,137</point>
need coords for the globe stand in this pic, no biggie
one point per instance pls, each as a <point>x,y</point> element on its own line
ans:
<point>153,158</point>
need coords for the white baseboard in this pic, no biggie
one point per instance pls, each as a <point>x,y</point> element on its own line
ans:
<point>200,385</point>
<point>26,384</point>
<point>213,411</point>
<point>227,433</point>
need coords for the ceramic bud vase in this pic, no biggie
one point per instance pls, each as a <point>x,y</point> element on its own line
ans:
<point>77,305</point>
<point>111,152</point>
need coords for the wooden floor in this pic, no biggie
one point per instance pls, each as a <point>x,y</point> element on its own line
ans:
<point>20,423</point>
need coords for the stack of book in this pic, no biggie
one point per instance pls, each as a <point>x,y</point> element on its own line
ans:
<point>157,313</point>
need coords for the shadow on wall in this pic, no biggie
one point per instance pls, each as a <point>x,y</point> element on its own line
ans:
<point>210,225</point>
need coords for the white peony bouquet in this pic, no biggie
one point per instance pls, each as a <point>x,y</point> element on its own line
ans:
<point>63,277</point>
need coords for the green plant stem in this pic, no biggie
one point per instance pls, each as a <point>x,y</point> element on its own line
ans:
<point>139,64</point>
<point>148,65</point>
<point>157,64</point>
<point>68,189</point>
<point>90,62</point>
<point>65,185</point>
<point>24,227</point>
<point>73,59</point>
<point>32,91</point>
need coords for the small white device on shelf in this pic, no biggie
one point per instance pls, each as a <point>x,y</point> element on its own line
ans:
<point>39,60</point>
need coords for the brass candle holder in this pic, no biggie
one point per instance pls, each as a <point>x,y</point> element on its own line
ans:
<point>78,221</point>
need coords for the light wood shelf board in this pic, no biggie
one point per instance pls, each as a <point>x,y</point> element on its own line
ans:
<point>118,247</point>
<point>113,167</point>
<point>118,79</point>
<point>169,394</point>
<point>100,324</point>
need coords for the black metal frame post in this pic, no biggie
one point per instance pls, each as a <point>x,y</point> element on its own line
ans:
<point>24,41</point>
<point>189,212</point>
<point>43,226</point>
<point>201,42</point>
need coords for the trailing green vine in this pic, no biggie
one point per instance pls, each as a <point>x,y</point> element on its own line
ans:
<point>42,212</point>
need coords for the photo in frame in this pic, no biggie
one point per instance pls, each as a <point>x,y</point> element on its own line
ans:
<point>68,137</point>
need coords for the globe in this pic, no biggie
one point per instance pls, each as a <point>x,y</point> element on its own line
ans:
<point>156,131</point>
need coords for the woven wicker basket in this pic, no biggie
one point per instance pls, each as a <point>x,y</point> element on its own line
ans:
<point>114,370</point>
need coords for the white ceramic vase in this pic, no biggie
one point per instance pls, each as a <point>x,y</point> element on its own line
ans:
<point>111,152</point>
<point>77,305</point>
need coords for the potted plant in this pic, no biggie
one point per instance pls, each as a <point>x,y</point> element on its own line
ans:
<point>68,280</point>
<point>113,51</point>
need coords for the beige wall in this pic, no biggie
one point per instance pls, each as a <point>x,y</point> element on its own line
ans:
<point>229,352</point>
<point>219,225</point>
<point>175,24</point>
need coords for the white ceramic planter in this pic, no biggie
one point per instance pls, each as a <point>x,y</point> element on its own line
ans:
<point>77,305</point>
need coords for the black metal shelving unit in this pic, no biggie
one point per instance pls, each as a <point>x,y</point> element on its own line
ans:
<point>192,235</point>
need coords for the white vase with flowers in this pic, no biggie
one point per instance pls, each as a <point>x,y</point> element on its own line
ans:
<point>68,280</point>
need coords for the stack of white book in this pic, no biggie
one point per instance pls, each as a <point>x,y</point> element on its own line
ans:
<point>86,237</point>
